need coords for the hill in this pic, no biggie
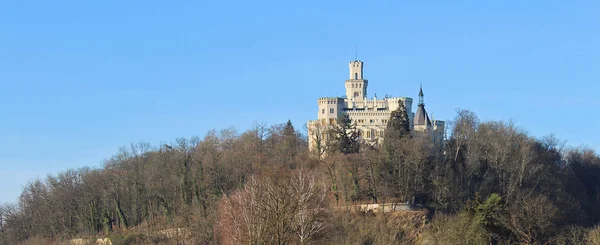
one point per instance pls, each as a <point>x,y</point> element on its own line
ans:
<point>491,183</point>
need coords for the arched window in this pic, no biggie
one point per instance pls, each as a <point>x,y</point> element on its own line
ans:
<point>356,75</point>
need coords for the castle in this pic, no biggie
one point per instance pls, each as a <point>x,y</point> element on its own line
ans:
<point>369,115</point>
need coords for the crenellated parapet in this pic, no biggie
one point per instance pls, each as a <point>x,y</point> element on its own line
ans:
<point>330,100</point>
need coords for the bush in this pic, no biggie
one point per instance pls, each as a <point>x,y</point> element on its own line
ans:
<point>127,239</point>
<point>455,229</point>
<point>376,228</point>
<point>593,236</point>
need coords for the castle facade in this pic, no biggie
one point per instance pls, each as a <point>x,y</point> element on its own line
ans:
<point>369,115</point>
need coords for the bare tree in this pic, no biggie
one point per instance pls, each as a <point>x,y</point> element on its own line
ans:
<point>310,220</point>
<point>275,210</point>
<point>465,124</point>
<point>3,212</point>
<point>318,134</point>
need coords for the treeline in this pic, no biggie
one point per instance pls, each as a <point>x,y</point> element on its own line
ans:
<point>511,188</point>
<point>490,183</point>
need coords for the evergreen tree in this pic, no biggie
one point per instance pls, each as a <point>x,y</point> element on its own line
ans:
<point>399,124</point>
<point>288,131</point>
<point>398,128</point>
<point>290,139</point>
<point>345,135</point>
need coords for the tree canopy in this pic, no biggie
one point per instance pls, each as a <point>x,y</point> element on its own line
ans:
<point>345,135</point>
<point>492,184</point>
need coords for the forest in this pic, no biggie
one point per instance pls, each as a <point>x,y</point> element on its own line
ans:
<point>489,183</point>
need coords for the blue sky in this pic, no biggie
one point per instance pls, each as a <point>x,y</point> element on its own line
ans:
<point>78,79</point>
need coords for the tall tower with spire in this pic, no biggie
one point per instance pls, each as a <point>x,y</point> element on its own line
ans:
<point>421,120</point>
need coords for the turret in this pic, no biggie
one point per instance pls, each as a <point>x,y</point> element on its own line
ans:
<point>421,119</point>
<point>356,70</point>
<point>356,85</point>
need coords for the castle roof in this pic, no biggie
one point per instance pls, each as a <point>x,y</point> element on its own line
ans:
<point>421,117</point>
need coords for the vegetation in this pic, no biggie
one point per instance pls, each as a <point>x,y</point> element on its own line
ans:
<point>344,136</point>
<point>492,183</point>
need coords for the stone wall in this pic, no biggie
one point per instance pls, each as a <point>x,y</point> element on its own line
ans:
<point>389,207</point>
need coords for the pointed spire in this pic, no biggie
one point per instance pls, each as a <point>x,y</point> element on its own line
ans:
<point>421,95</point>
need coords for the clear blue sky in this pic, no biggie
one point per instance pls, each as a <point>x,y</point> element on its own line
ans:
<point>78,79</point>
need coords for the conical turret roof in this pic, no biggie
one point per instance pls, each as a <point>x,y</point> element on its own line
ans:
<point>421,117</point>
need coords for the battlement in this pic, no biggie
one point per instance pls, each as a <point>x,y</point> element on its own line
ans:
<point>356,63</point>
<point>330,100</point>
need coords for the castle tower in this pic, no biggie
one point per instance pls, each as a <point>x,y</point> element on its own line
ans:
<point>421,120</point>
<point>356,85</point>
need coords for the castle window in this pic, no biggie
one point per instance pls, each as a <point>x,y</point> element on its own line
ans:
<point>322,111</point>
<point>356,75</point>
<point>331,110</point>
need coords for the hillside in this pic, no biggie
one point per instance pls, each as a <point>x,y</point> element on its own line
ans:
<point>491,183</point>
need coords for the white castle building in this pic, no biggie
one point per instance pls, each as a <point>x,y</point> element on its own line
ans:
<point>370,115</point>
